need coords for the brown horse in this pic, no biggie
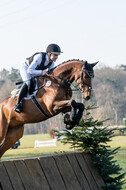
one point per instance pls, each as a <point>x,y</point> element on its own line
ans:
<point>55,97</point>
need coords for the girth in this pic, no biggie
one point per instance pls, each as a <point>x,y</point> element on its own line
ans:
<point>38,105</point>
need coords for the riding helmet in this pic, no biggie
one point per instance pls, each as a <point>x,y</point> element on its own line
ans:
<point>53,48</point>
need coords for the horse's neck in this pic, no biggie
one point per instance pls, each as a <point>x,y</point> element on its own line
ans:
<point>67,70</point>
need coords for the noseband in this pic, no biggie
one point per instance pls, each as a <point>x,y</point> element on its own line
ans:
<point>90,74</point>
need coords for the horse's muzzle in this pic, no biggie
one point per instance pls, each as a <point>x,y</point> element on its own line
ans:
<point>87,98</point>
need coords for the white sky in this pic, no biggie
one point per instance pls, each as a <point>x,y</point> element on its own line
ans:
<point>91,30</point>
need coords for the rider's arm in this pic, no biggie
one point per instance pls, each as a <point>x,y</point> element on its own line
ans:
<point>53,65</point>
<point>32,67</point>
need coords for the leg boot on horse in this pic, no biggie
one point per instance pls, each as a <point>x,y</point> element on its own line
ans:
<point>78,116</point>
<point>73,110</point>
<point>74,118</point>
<point>22,93</point>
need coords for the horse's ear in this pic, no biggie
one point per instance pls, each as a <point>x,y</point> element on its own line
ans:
<point>85,64</point>
<point>93,64</point>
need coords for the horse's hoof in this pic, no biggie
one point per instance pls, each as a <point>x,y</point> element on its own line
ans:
<point>67,119</point>
<point>69,124</point>
<point>69,127</point>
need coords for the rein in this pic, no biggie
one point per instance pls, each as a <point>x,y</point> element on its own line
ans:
<point>66,81</point>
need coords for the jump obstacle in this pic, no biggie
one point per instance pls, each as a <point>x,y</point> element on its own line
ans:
<point>69,171</point>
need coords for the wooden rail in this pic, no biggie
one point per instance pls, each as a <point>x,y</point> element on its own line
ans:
<point>71,171</point>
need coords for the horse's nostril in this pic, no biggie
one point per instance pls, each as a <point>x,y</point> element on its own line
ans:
<point>87,98</point>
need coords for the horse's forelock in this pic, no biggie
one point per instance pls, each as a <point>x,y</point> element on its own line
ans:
<point>88,66</point>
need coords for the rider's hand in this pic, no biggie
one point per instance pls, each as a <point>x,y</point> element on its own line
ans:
<point>44,72</point>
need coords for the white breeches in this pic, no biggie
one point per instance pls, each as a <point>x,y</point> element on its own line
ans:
<point>25,76</point>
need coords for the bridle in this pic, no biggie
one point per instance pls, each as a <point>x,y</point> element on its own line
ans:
<point>90,74</point>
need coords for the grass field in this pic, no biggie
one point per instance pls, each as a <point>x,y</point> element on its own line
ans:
<point>120,141</point>
<point>27,149</point>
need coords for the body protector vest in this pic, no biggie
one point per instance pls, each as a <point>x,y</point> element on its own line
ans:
<point>41,66</point>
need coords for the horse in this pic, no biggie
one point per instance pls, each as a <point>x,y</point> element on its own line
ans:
<point>53,96</point>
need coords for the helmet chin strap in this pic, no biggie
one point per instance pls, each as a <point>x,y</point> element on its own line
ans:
<point>49,55</point>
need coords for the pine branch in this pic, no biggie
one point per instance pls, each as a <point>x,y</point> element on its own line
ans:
<point>92,137</point>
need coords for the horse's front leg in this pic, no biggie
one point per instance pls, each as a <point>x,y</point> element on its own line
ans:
<point>62,106</point>
<point>75,116</point>
<point>77,112</point>
<point>67,106</point>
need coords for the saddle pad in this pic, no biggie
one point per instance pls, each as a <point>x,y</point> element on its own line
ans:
<point>15,92</point>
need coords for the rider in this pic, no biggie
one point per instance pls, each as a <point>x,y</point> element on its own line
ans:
<point>36,65</point>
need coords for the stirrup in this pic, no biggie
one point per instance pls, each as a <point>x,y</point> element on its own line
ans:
<point>18,108</point>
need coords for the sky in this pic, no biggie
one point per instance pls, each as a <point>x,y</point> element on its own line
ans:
<point>92,30</point>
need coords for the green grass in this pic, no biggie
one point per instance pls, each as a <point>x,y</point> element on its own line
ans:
<point>27,149</point>
<point>120,157</point>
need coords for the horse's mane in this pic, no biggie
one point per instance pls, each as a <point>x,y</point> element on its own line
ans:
<point>67,62</point>
<point>72,60</point>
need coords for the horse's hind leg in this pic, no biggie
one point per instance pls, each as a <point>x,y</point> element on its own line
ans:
<point>13,134</point>
<point>62,106</point>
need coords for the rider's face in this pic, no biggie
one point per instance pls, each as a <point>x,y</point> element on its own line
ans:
<point>53,57</point>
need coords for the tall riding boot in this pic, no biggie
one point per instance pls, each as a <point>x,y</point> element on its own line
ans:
<point>22,93</point>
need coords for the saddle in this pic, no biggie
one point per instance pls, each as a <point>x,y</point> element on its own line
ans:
<point>31,95</point>
<point>31,90</point>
